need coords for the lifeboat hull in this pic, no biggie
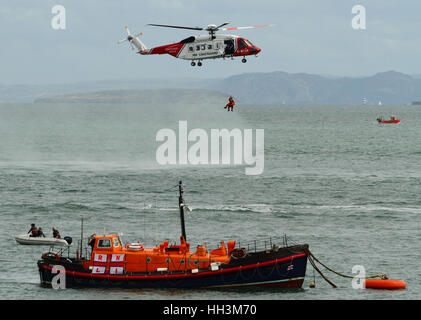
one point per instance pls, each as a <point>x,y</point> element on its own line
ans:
<point>284,268</point>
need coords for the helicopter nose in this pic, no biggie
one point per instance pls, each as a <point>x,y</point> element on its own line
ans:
<point>255,50</point>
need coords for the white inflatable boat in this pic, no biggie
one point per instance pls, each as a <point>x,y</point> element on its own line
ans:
<point>26,239</point>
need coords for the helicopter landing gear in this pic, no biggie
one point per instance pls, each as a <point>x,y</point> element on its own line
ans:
<point>199,64</point>
<point>244,60</point>
<point>193,63</point>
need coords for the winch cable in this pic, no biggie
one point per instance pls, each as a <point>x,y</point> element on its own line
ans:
<point>313,259</point>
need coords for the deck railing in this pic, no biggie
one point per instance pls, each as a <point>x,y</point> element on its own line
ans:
<point>266,244</point>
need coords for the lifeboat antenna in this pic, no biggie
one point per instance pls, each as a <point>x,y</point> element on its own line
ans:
<point>181,205</point>
<point>81,236</point>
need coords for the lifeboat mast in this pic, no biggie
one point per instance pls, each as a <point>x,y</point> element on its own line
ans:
<point>181,206</point>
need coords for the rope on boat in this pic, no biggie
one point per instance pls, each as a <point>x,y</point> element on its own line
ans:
<point>318,270</point>
<point>313,259</point>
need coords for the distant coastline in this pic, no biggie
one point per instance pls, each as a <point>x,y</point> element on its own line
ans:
<point>151,96</point>
<point>276,87</point>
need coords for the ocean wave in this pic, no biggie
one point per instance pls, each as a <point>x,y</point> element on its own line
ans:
<point>74,191</point>
<point>75,206</point>
<point>366,208</point>
<point>257,208</point>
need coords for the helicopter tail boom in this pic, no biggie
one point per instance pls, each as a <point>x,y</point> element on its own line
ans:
<point>140,45</point>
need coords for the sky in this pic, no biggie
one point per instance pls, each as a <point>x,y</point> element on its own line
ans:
<point>308,36</point>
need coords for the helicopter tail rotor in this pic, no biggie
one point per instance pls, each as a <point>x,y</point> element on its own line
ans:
<point>134,41</point>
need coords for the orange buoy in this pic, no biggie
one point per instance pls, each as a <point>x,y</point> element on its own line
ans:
<point>385,284</point>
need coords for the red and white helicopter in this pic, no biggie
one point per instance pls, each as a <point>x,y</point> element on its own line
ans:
<point>198,48</point>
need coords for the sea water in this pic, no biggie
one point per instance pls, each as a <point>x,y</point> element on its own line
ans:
<point>333,178</point>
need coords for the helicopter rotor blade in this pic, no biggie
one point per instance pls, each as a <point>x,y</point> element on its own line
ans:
<point>177,27</point>
<point>250,27</point>
<point>121,41</point>
<point>224,24</point>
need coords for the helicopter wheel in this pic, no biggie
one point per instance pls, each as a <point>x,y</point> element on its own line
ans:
<point>193,63</point>
<point>199,64</point>
<point>244,60</point>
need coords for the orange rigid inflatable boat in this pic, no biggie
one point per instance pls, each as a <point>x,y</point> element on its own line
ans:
<point>385,284</point>
<point>391,120</point>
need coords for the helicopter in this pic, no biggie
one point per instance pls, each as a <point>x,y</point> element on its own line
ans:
<point>199,48</point>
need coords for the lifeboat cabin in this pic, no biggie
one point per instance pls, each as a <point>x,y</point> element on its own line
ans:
<point>109,256</point>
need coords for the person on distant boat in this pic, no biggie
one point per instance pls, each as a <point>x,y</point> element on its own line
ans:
<point>91,241</point>
<point>230,104</point>
<point>40,233</point>
<point>56,234</point>
<point>33,231</point>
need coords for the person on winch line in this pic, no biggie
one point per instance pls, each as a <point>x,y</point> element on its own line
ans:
<point>230,104</point>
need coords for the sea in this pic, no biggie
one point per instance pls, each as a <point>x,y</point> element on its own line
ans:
<point>333,178</point>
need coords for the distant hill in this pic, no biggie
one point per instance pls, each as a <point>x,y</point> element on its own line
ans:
<point>301,88</point>
<point>253,88</point>
<point>151,96</point>
<point>29,93</point>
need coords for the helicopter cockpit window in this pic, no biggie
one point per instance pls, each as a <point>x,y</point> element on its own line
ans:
<point>248,42</point>
<point>242,44</point>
